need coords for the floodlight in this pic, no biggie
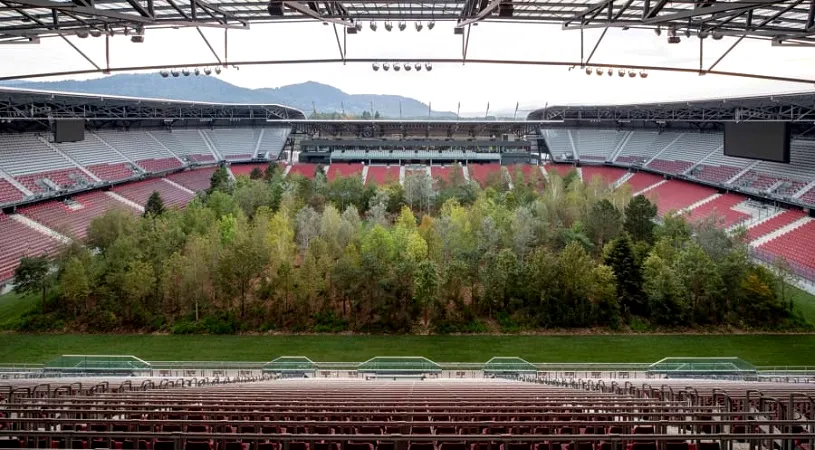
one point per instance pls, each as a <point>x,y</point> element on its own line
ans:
<point>419,26</point>
<point>430,25</point>
<point>197,72</point>
<point>388,26</point>
<point>358,26</point>
<point>373,26</point>
<point>428,67</point>
<point>185,72</point>
<point>165,73</point>
<point>588,70</point>
<point>632,74</point>
<point>207,71</point>
<point>621,72</point>
<point>702,34</point>
<point>138,35</point>
<point>375,66</point>
<point>687,32</point>
<point>418,67</point>
<point>217,70</point>
<point>658,31</point>
<point>598,71</point>
<point>275,9</point>
<point>95,32</point>
<point>386,66</point>
<point>396,67</point>
<point>408,67</point>
<point>673,39</point>
<point>402,26</point>
<point>643,74</point>
<point>175,73</point>
<point>716,35</point>
<point>610,72</point>
<point>82,34</point>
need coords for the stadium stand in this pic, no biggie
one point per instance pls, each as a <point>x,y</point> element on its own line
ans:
<point>596,145</point>
<point>246,169</point>
<point>774,223</point>
<point>721,207</point>
<point>443,172</point>
<point>303,169</point>
<point>37,166</point>
<point>195,179</point>
<point>483,173</point>
<point>560,144</point>
<point>143,149</point>
<point>680,156</point>
<point>71,217</point>
<point>103,161</point>
<point>643,145</point>
<point>380,175</point>
<point>718,168</point>
<point>9,193</point>
<point>609,175</point>
<point>529,172</point>
<point>789,246</point>
<point>272,142</point>
<point>783,180</point>
<point>140,191</point>
<point>643,180</point>
<point>344,170</point>
<point>235,144</point>
<point>677,195</point>
<point>18,240</point>
<point>188,144</point>
<point>561,169</point>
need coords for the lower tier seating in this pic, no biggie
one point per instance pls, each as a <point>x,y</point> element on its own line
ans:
<point>64,179</point>
<point>722,208</point>
<point>112,172</point>
<point>160,165</point>
<point>194,180</point>
<point>776,223</point>
<point>246,169</point>
<point>561,169</point>
<point>483,173</point>
<point>18,240</point>
<point>714,174</point>
<point>9,193</point>
<point>643,180</point>
<point>672,167</point>
<point>140,191</point>
<point>789,246</point>
<point>808,197</point>
<point>71,218</point>
<point>529,172</point>
<point>676,195</point>
<point>305,169</point>
<point>609,175</point>
<point>344,170</point>
<point>380,175</point>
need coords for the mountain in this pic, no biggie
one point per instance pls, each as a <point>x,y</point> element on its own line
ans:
<point>304,96</point>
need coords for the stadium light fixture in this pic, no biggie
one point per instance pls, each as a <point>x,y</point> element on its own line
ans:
<point>428,67</point>
<point>138,35</point>
<point>175,73</point>
<point>388,26</point>
<point>95,32</point>
<point>599,71</point>
<point>165,73</point>
<point>373,26</point>
<point>402,26</point>
<point>408,67</point>
<point>610,72</point>
<point>375,66</point>
<point>82,34</point>
<point>197,71</point>
<point>186,72</point>
<point>703,34</point>
<point>632,74</point>
<point>419,26</point>
<point>643,74</point>
<point>621,72</point>
<point>588,70</point>
<point>430,25</point>
<point>207,71</point>
<point>217,70</point>
<point>386,67</point>
<point>687,32</point>
<point>396,67</point>
<point>658,30</point>
<point>418,67</point>
<point>358,26</point>
<point>716,36</point>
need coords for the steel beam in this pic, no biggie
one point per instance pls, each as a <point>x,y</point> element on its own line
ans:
<point>82,10</point>
<point>489,9</point>
<point>306,11</point>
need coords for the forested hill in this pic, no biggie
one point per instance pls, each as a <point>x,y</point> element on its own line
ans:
<point>291,254</point>
<point>306,96</point>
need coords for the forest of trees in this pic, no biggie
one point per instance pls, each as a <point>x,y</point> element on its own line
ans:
<point>267,253</point>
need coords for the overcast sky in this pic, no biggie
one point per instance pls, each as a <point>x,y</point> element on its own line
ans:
<point>472,84</point>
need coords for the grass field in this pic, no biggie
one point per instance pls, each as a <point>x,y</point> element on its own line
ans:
<point>12,306</point>
<point>804,302</point>
<point>758,349</point>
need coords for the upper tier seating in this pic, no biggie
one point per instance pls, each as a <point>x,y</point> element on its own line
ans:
<point>18,240</point>
<point>808,197</point>
<point>643,145</point>
<point>609,175</point>
<point>305,169</point>
<point>30,161</point>
<point>785,180</point>
<point>101,160</point>
<point>246,169</point>
<point>685,152</point>
<point>344,170</point>
<point>559,143</point>
<point>9,193</point>
<point>718,168</point>
<point>235,144</point>
<point>140,191</point>
<point>643,180</point>
<point>442,172</point>
<point>676,195</point>
<point>71,218</point>
<point>187,144</point>
<point>721,207</point>
<point>272,142</point>
<point>789,246</point>
<point>194,180</point>
<point>381,175</point>
<point>561,169</point>
<point>484,173</point>
<point>140,147</point>
<point>596,145</point>
<point>776,223</point>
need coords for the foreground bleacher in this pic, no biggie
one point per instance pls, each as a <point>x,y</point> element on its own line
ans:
<point>430,414</point>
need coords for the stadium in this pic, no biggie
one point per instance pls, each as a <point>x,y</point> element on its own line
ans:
<point>212,275</point>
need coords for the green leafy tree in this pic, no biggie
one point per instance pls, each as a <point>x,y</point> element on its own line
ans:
<point>75,284</point>
<point>426,287</point>
<point>620,257</point>
<point>640,215</point>
<point>604,223</point>
<point>154,206</point>
<point>219,182</point>
<point>271,171</point>
<point>32,276</point>
<point>665,292</point>
<point>256,174</point>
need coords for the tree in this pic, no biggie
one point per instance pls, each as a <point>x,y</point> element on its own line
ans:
<point>256,174</point>
<point>271,170</point>
<point>154,206</point>
<point>366,115</point>
<point>426,287</point>
<point>639,219</point>
<point>110,226</point>
<point>376,115</point>
<point>620,257</point>
<point>604,223</point>
<point>31,276</point>
<point>219,181</point>
<point>74,284</point>
<point>784,276</point>
<point>665,292</point>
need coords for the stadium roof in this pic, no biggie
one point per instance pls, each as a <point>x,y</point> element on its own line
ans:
<point>780,20</point>
<point>798,108</point>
